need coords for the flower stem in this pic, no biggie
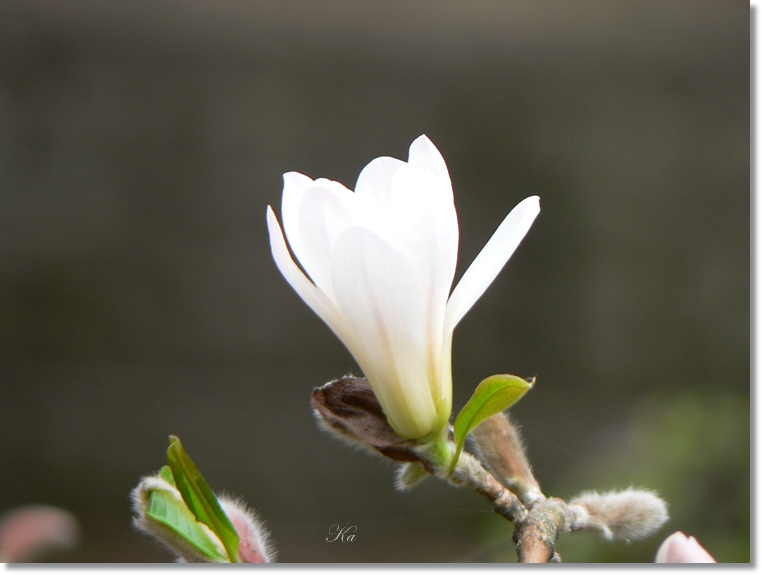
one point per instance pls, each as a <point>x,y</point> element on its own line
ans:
<point>441,451</point>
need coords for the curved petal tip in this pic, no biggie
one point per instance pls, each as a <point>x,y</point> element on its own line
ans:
<point>424,154</point>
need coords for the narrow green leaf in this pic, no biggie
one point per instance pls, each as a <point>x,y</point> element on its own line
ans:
<point>166,474</point>
<point>199,497</point>
<point>164,508</point>
<point>491,396</point>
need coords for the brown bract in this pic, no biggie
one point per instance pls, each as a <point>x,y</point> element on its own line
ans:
<point>349,408</point>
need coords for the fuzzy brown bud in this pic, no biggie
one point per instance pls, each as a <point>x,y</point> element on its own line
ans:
<point>499,446</point>
<point>348,408</point>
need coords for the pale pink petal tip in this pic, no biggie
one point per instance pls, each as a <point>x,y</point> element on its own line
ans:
<point>29,531</point>
<point>678,548</point>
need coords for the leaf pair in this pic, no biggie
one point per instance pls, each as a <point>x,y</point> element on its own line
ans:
<point>198,508</point>
<point>491,396</point>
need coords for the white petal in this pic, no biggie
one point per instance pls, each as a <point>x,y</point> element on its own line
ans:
<point>426,232</point>
<point>491,260</point>
<point>294,186</point>
<point>375,180</point>
<point>424,154</point>
<point>323,215</point>
<point>311,295</point>
<point>336,187</point>
<point>378,294</point>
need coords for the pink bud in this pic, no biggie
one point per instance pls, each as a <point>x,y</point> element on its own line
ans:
<point>677,548</point>
<point>254,545</point>
<point>28,531</point>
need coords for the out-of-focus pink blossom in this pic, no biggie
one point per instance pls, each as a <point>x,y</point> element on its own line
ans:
<point>678,548</point>
<point>27,532</point>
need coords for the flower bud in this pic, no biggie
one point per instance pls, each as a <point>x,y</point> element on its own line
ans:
<point>254,545</point>
<point>200,545</point>
<point>623,515</point>
<point>677,548</point>
<point>162,513</point>
<point>348,408</point>
<point>499,446</point>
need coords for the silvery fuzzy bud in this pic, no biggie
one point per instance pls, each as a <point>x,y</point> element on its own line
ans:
<point>623,515</point>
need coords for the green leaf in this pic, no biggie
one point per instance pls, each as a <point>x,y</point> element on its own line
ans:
<point>199,498</point>
<point>166,474</point>
<point>491,396</point>
<point>164,508</point>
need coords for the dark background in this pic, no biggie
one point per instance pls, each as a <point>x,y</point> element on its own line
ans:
<point>140,143</point>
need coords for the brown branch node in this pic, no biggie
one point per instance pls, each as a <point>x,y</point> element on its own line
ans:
<point>535,537</point>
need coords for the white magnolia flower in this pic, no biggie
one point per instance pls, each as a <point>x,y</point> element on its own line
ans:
<point>380,262</point>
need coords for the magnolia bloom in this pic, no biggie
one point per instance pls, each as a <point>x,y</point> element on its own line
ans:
<point>678,548</point>
<point>379,265</point>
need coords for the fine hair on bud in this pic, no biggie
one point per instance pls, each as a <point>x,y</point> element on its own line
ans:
<point>255,544</point>
<point>498,444</point>
<point>184,551</point>
<point>341,434</point>
<point>409,475</point>
<point>349,410</point>
<point>623,515</point>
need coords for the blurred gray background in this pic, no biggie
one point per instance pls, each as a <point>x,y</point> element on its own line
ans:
<point>140,143</point>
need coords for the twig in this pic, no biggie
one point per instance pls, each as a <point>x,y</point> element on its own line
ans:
<point>535,530</point>
<point>536,536</point>
<point>349,409</point>
<point>470,473</point>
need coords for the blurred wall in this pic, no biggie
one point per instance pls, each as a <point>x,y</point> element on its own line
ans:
<point>140,143</point>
